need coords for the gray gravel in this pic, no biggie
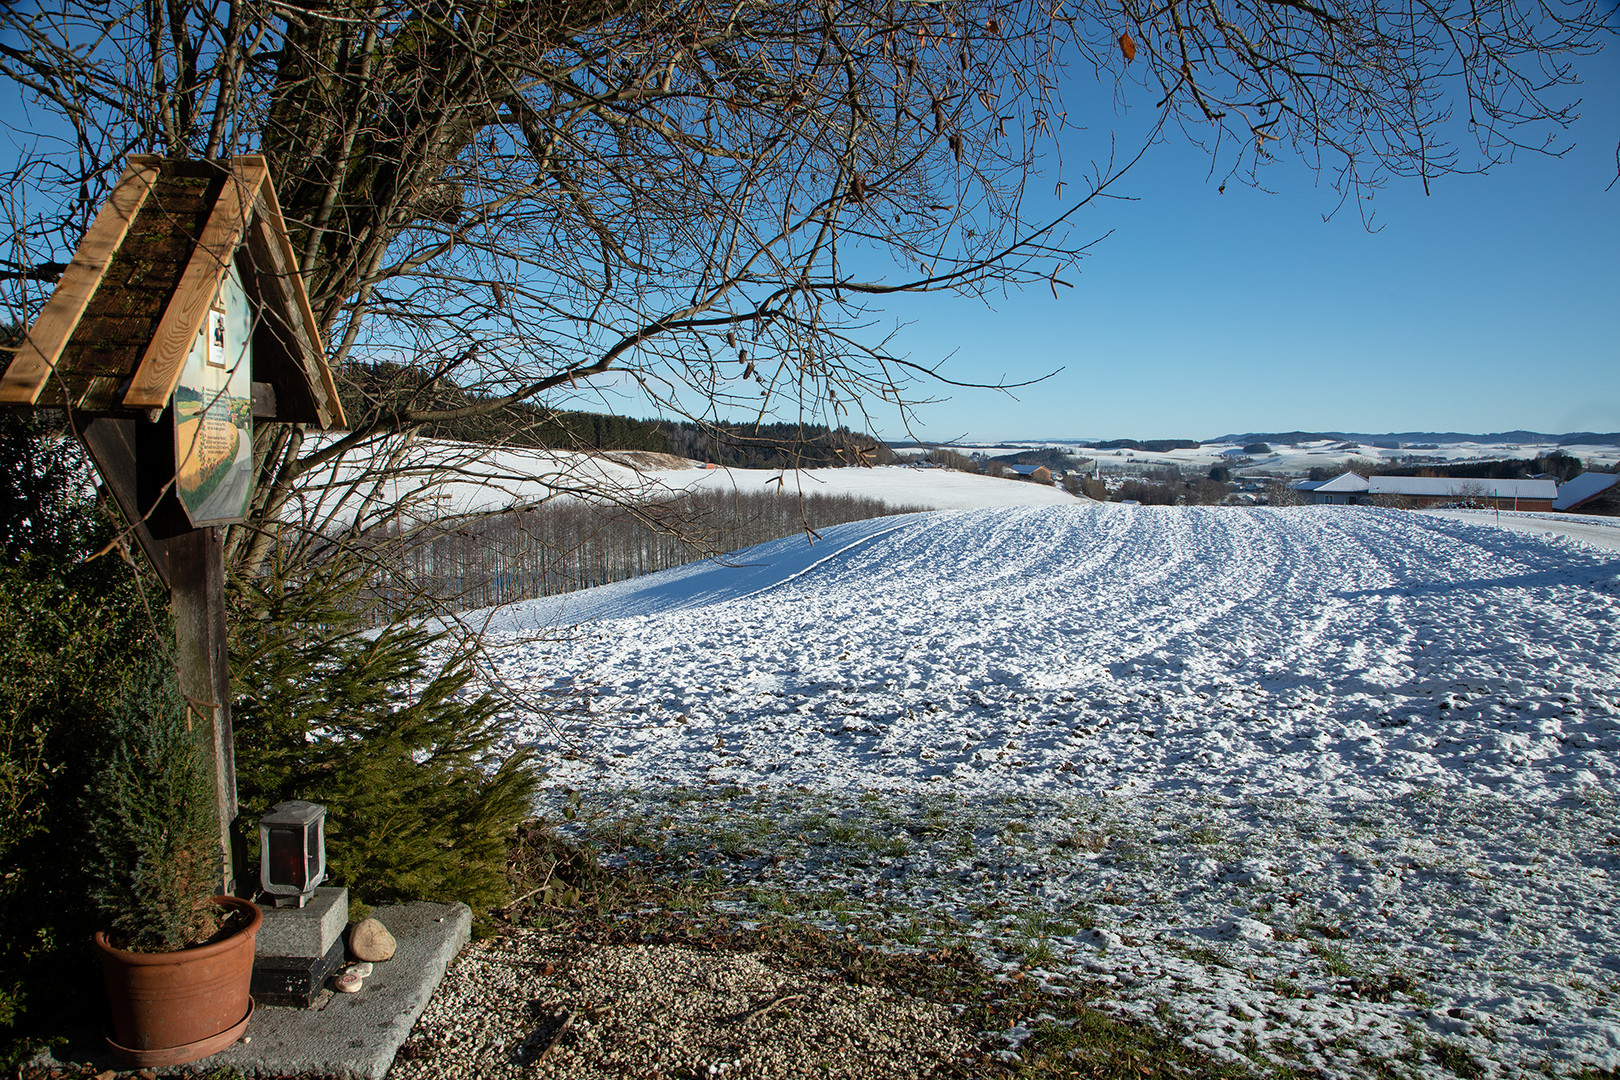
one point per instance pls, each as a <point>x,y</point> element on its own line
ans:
<point>536,1005</point>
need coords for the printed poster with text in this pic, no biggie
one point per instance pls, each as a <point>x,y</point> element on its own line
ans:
<point>213,413</point>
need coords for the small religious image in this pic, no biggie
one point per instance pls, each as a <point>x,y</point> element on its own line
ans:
<point>216,338</point>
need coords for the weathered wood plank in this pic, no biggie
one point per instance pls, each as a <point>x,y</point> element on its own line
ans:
<point>37,357</point>
<point>159,369</point>
<point>197,598</point>
<point>114,446</point>
<point>285,259</point>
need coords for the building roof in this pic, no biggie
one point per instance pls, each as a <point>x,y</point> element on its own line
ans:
<point>1452,487</point>
<point>1345,482</point>
<point>1582,488</point>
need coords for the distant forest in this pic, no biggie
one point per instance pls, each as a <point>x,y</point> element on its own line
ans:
<point>1152,446</point>
<point>373,388</point>
<point>1399,440</point>
<point>774,446</point>
<point>1051,457</point>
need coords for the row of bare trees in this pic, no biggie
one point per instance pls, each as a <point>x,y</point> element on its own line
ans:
<point>572,544</point>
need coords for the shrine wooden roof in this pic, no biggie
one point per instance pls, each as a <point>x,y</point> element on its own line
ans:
<point>114,335</point>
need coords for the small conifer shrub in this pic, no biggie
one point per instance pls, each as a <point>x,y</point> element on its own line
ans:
<point>421,800</point>
<point>154,858</point>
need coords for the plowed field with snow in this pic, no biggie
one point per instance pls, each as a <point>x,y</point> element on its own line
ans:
<point>1316,787</point>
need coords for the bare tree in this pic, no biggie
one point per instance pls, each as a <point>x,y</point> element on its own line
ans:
<point>704,204</point>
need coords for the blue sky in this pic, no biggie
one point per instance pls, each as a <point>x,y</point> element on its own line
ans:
<point>1491,304</point>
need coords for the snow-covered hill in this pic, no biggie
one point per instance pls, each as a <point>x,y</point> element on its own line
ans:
<point>1311,784</point>
<point>436,478</point>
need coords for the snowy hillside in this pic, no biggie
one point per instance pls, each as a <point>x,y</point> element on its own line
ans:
<point>1306,785</point>
<point>437,477</point>
<point>897,485</point>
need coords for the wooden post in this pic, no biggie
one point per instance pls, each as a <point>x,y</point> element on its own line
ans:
<point>197,597</point>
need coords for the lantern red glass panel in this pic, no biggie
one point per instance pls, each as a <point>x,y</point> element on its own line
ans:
<point>292,851</point>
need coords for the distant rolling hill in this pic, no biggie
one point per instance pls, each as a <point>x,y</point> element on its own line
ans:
<point>1575,438</point>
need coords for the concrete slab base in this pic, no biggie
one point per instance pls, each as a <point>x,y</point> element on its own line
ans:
<point>357,1035</point>
<point>306,931</point>
<point>354,1036</point>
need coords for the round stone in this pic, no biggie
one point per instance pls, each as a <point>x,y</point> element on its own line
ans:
<point>370,940</point>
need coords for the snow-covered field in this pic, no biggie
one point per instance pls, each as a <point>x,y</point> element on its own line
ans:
<point>1316,786</point>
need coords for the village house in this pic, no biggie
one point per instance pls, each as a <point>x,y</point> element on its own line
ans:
<point>1346,490</point>
<point>1590,493</point>
<point>1038,474</point>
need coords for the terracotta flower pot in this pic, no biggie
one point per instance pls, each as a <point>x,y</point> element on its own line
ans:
<point>171,1008</point>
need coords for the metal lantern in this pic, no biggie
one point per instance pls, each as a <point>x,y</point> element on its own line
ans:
<point>292,851</point>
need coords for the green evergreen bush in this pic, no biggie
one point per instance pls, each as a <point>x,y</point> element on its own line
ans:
<point>152,834</point>
<point>72,631</point>
<point>421,801</point>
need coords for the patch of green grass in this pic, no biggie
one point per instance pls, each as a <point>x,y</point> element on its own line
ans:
<point>1453,1058</point>
<point>844,831</point>
<point>1038,953</point>
<point>774,901</point>
<point>1042,924</point>
<point>1088,1043</point>
<point>1334,960</point>
<point>1288,988</point>
<point>811,821</point>
<point>910,932</point>
<point>1082,915</point>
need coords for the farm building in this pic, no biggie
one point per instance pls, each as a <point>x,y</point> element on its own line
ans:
<point>1347,489</point>
<point>1040,474</point>
<point>1421,491</point>
<point>1590,493</point>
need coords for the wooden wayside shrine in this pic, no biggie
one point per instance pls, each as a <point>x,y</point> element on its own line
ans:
<point>179,321</point>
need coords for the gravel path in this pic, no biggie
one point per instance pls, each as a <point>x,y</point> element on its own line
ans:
<point>541,1005</point>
